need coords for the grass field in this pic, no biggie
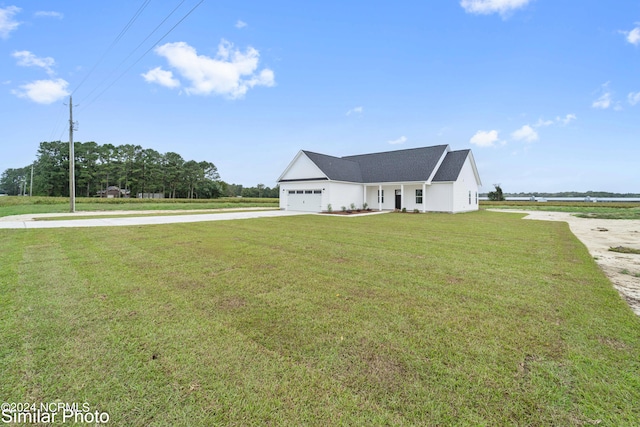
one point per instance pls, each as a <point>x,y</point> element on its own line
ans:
<point>601,210</point>
<point>26,205</point>
<point>432,319</point>
<point>236,209</point>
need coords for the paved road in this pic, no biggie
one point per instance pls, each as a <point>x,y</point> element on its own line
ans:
<point>28,222</point>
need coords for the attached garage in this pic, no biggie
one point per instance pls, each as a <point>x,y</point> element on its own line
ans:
<point>304,200</point>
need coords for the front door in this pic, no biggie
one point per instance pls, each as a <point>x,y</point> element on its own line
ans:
<point>398,199</point>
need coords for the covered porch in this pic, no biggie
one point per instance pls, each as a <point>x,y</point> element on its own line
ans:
<point>390,196</point>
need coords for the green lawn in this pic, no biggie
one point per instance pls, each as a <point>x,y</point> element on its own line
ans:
<point>431,319</point>
<point>236,209</point>
<point>601,210</point>
<point>25,205</point>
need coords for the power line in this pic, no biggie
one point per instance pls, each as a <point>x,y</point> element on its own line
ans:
<point>114,42</point>
<point>133,51</point>
<point>58,121</point>
<point>144,54</point>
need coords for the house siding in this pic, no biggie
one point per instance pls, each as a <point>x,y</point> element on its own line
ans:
<point>440,197</point>
<point>466,183</point>
<point>302,168</point>
<point>343,194</point>
<point>409,198</point>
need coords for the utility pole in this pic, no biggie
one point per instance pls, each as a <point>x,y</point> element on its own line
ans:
<point>72,166</point>
<point>31,185</point>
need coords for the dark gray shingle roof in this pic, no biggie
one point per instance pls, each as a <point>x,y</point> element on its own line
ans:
<point>336,168</point>
<point>415,164</point>
<point>411,165</point>
<point>451,166</point>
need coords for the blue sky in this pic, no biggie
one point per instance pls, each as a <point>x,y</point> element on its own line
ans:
<point>545,92</point>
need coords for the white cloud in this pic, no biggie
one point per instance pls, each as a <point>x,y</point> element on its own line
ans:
<point>7,23</point>
<point>43,91</point>
<point>161,77</point>
<point>633,36</point>
<point>634,98</point>
<point>240,24</point>
<point>566,119</point>
<point>603,102</point>
<point>543,123</point>
<point>48,14</point>
<point>231,73</point>
<point>28,59</point>
<point>485,138</point>
<point>356,110</point>
<point>400,140</point>
<point>525,133</point>
<point>487,7</point>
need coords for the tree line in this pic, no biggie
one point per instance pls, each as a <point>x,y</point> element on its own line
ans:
<point>131,167</point>
<point>260,190</point>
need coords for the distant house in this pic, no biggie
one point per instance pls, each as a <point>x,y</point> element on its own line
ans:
<point>113,192</point>
<point>427,179</point>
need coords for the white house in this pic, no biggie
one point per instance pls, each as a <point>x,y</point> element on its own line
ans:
<point>428,179</point>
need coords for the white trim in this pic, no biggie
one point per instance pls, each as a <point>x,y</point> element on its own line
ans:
<point>435,170</point>
<point>295,159</point>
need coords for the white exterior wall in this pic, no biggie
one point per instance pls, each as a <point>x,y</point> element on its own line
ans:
<point>372,196</point>
<point>466,183</point>
<point>409,199</point>
<point>343,194</point>
<point>440,197</point>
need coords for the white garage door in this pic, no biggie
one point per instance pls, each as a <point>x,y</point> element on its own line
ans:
<point>304,200</point>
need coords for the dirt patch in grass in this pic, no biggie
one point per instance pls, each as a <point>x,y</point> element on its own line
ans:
<point>614,245</point>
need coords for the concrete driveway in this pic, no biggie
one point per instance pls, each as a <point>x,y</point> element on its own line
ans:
<point>28,221</point>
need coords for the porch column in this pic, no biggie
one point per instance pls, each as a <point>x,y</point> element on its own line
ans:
<point>379,197</point>
<point>402,196</point>
<point>424,197</point>
<point>364,195</point>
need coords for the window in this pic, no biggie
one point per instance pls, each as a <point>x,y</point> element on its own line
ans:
<point>299,191</point>
<point>469,196</point>
<point>418,197</point>
<point>292,191</point>
<point>317,191</point>
<point>380,196</point>
<point>308,192</point>
<point>476,197</point>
